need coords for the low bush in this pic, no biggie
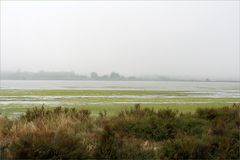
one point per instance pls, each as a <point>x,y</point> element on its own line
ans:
<point>185,147</point>
<point>113,145</point>
<point>148,128</point>
<point>193,126</point>
<point>41,113</point>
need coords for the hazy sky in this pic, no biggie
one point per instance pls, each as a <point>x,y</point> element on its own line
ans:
<point>195,39</point>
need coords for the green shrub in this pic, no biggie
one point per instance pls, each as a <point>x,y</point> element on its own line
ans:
<point>148,128</point>
<point>58,145</point>
<point>115,146</point>
<point>184,147</point>
<point>109,145</point>
<point>225,113</point>
<point>192,126</point>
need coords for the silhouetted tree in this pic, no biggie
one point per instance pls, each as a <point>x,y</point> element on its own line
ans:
<point>115,75</point>
<point>94,75</point>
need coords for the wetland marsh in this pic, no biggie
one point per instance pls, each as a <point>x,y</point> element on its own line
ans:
<point>113,96</point>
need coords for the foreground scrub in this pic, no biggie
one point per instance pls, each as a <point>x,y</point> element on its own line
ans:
<point>137,133</point>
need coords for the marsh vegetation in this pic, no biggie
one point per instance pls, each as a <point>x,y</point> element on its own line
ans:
<point>14,102</point>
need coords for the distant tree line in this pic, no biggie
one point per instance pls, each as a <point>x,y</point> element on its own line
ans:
<point>43,75</point>
<point>111,76</point>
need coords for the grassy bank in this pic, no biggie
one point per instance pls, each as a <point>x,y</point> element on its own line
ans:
<point>136,133</point>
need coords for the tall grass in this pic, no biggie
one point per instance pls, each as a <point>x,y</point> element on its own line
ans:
<point>135,133</point>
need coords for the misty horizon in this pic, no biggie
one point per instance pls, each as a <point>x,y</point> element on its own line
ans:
<point>71,75</point>
<point>174,39</point>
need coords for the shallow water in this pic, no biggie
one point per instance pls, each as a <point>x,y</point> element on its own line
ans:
<point>121,85</point>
